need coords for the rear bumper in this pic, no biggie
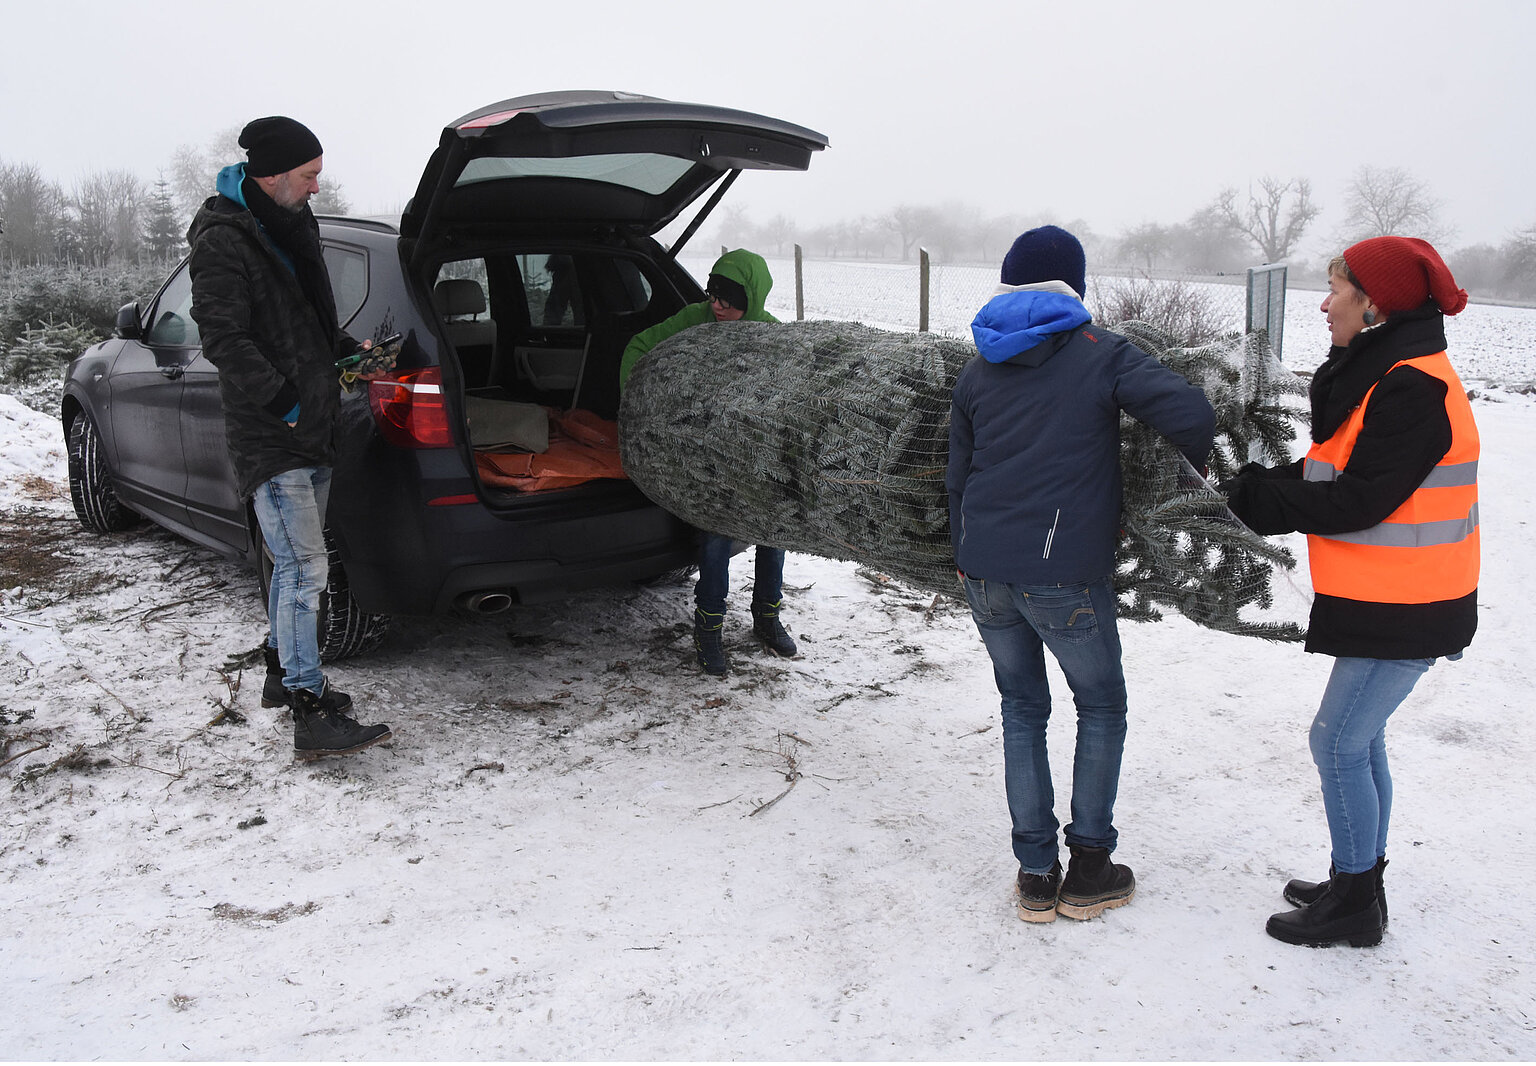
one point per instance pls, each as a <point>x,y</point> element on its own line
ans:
<point>406,555</point>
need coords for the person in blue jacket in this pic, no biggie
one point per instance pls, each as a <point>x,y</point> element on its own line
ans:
<point>1034,496</point>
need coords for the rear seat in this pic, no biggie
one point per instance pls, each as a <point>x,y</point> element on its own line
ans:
<point>461,302</point>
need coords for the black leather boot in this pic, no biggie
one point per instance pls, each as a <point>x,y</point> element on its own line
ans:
<point>1094,884</point>
<point>765,625</point>
<point>708,641</point>
<point>1039,894</point>
<point>273,694</point>
<point>1347,911</point>
<point>1300,893</point>
<point>321,728</point>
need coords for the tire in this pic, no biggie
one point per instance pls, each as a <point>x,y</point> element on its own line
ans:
<point>90,482</point>
<point>345,628</point>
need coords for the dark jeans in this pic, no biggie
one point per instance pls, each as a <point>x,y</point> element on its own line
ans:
<point>715,574</point>
<point>1077,622</point>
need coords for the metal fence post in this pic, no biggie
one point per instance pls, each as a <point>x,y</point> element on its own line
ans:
<point>1266,304</point>
<point>799,286</point>
<point>922,290</point>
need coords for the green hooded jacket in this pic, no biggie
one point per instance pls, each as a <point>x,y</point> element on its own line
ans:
<point>747,269</point>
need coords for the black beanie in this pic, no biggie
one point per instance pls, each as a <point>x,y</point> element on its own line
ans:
<point>1047,253</point>
<point>732,292</point>
<point>277,145</point>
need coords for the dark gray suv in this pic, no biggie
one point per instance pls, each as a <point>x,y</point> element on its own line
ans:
<point>520,269</point>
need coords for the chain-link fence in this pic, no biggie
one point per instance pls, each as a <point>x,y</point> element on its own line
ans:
<point>891,296</point>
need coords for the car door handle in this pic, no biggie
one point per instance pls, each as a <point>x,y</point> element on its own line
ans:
<point>172,372</point>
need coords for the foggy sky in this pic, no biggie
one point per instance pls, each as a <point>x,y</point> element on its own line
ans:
<point>1116,113</point>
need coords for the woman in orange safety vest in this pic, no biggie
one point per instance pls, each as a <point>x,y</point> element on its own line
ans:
<point>1387,495</point>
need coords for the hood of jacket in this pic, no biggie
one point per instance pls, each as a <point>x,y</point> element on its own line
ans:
<point>750,271</point>
<point>229,181</point>
<point>1014,326</point>
<point>228,206</point>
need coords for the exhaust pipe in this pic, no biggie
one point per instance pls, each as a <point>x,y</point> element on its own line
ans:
<point>487,602</point>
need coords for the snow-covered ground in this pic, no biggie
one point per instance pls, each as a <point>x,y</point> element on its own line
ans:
<point>578,847</point>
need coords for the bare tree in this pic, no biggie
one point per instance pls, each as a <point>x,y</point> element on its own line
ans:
<point>1520,262</point>
<point>778,231</point>
<point>1275,216</point>
<point>190,179</point>
<point>1205,244</point>
<point>194,170</point>
<point>912,223</point>
<point>1388,200</point>
<point>735,229</point>
<point>32,208</point>
<point>1147,244</point>
<point>109,208</point>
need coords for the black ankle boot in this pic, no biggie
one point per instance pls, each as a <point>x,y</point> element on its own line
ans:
<point>321,728</point>
<point>765,625</point>
<point>1038,894</point>
<point>1300,893</point>
<point>273,694</point>
<point>1094,884</point>
<point>1347,911</point>
<point>708,641</point>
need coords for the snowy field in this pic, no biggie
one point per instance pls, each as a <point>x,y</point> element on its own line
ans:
<point>1490,343</point>
<point>578,847</point>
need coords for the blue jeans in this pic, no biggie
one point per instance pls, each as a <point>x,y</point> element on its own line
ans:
<point>291,510</point>
<point>1349,746</point>
<point>1077,623</point>
<point>715,574</point>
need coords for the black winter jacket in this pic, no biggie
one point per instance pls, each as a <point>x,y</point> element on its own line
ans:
<point>1405,433</point>
<point>271,346</point>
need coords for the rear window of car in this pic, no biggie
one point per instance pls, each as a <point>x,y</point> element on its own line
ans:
<point>650,174</point>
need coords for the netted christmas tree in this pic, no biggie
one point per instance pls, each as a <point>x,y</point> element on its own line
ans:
<point>831,438</point>
<point>1182,547</point>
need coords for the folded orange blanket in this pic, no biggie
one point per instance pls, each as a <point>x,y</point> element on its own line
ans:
<point>582,447</point>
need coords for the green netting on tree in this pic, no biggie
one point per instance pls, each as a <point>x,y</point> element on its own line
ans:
<point>831,438</point>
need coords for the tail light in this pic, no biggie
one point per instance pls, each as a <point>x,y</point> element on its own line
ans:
<point>409,409</point>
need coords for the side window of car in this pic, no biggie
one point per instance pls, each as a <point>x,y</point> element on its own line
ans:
<point>348,268</point>
<point>637,288</point>
<point>552,290</point>
<point>171,324</point>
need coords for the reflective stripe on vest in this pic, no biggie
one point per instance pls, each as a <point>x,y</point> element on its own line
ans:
<point>1428,548</point>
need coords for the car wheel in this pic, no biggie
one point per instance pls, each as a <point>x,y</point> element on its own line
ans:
<point>345,628</point>
<point>90,482</point>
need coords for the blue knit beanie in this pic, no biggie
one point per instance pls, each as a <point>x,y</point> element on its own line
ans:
<point>1047,253</point>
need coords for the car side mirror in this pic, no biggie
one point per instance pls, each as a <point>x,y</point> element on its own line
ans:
<point>127,325</point>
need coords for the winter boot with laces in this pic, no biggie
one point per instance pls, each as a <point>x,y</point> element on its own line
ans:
<point>1038,894</point>
<point>708,641</point>
<point>1094,884</point>
<point>321,726</point>
<point>1303,893</point>
<point>273,694</point>
<point>1347,911</point>
<point>765,625</point>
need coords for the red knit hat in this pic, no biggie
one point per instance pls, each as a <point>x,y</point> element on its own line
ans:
<point>1400,273</point>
